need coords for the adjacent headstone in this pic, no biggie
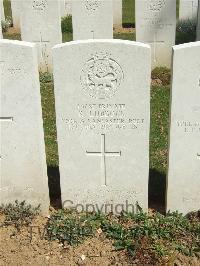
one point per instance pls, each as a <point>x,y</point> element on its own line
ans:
<point>117,13</point>
<point>184,151</point>
<point>22,155</point>
<point>66,8</point>
<point>16,13</point>
<point>188,10</point>
<point>2,10</point>
<point>102,108</point>
<point>92,19</point>
<point>41,24</point>
<point>1,35</point>
<point>198,23</point>
<point>156,25</point>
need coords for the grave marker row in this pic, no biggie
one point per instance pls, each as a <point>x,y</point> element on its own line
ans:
<point>155,24</point>
<point>103,148</point>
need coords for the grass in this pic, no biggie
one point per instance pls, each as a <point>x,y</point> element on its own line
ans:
<point>7,8</point>
<point>128,13</point>
<point>160,96</point>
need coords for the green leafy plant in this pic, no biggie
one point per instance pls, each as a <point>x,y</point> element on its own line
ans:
<point>19,213</point>
<point>70,228</point>
<point>159,235</point>
<point>162,234</point>
<point>66,24</point>
<point>46,77</point>
<point>5,24</point>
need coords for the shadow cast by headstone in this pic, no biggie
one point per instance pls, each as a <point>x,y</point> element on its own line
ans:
<point>54,186</point>
<point>156,197</point>
<point>157,190</point>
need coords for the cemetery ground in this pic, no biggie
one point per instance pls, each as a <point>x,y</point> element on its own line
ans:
<point>69,238</point>
<point>95,239</point>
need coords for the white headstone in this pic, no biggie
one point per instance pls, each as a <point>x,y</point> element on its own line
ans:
<point>117,12</point>
<point>66,8</point>
<point>41,24</point>
<point>22,153</point>
<point>102,107</point>
<point>198,23</point>
<point>92,19</point>
<point>188,10</point>
<point>16,13</point>
<point>2,10</point>
<point>156,25</point>
<point>184,150</point>
<point>1,35</point>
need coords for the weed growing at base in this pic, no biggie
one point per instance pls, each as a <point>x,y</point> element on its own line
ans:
<point>156,234</point>
<point>19,213</point>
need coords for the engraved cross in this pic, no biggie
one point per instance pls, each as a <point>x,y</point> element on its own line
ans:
<point>41,39</point>
<point>155,42</point>
<point>1,66</point>
<point>103,154</point>
<point>92,34</point>
<point>194,8</point>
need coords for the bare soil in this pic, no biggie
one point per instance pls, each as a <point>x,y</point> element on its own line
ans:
<point>123,30</point>
<point>19,248</point>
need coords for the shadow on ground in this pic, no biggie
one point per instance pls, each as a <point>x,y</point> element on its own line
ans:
<point>54,186</point>
<point>157,190</point>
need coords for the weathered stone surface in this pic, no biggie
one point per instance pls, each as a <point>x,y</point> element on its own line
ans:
<point>41,24</point>
<point>22,153</point>
<point>156,25</point>
<point>102,107</point>
<point>16,13</point>
<point>2,10</point>
<point>92,19</point>
<point>117,12</point>
<point>184,150</point>
<point>66,7</point>
<point>188,10</point>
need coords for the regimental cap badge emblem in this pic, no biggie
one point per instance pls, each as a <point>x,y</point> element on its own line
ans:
<point>92,5</point>
<point>39,4</point>
<point>157,5</point>
<point>101,76</point>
